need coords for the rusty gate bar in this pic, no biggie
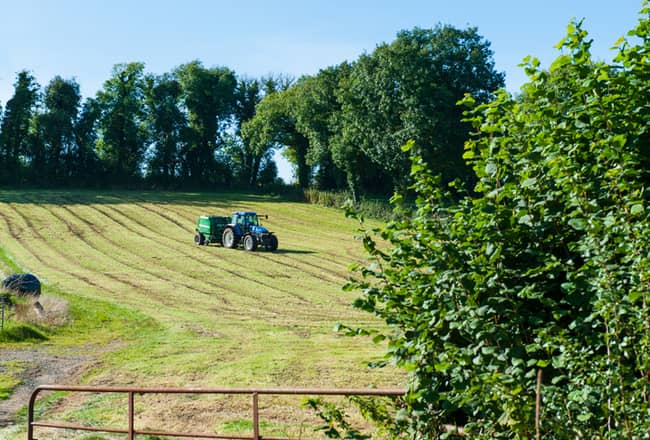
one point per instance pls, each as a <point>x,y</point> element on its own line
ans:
<point>132,432</point>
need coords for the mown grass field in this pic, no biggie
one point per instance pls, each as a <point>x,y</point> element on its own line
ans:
<point>148,307</point>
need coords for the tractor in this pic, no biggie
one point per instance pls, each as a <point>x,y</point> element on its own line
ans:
<point>244,229</point>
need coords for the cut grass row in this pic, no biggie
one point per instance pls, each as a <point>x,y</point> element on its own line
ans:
<point>182,315</point>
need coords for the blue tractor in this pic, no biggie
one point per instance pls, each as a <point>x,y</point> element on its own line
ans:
<point>245,229</point>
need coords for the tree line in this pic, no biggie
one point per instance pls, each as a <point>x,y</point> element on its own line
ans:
<point>198,127</point>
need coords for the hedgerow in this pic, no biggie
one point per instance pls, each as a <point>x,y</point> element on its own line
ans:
<point>523,310</point>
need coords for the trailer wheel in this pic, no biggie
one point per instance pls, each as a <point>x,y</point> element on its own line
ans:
<point>199,239</point>
<point>229,239</point>
<point>250,244</point>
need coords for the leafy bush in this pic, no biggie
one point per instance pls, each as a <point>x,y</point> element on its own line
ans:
<point>372,208</point>
<point>525,312</point>
<point>383,412</point>
<point>328,199</point>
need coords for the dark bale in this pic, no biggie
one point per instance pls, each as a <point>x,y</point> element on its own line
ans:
<point>22,284</point>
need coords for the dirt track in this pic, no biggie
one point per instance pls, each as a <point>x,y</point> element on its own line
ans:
<point>41,368</point>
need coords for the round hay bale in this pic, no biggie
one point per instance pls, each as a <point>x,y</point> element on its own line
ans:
<point>22,284</point>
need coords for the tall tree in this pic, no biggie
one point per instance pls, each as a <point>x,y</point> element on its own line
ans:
<point>56,129</point>
<point>409,89</point>
<point>122,125</point>
<point>246,158</point>
<point>87,169</point>
<point>274,126</point>
<point>315,108</point>
<point>209,97</point>
<point>168,128</point>
<point>15,128</point>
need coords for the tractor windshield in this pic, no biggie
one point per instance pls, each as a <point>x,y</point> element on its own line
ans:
<point>247,220</point>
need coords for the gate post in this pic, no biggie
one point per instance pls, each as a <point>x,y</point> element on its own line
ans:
<point>256,417</point>
<point>131,416</point>
<point>2,305</point>
<point>30,414</point>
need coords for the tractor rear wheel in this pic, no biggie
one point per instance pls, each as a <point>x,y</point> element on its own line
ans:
<point>273,243</point>
<point>229,239</point>
<point>250,243</point>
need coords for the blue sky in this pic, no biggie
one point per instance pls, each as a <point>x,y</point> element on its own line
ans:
<point>83,39</point>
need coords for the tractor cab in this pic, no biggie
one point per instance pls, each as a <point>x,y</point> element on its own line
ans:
<point>245,219</point>
<point>247,222</point>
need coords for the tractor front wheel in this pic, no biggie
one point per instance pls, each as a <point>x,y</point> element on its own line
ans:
<point>228,239</point>
<point>250,244</point>
<point>199,239</point>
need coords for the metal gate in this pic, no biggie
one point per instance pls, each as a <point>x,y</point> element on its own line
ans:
<point>131,431</point>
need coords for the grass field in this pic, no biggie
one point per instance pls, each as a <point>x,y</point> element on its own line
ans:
<point>148,307</point>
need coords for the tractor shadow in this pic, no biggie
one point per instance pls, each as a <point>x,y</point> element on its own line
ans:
<point>292,251</point>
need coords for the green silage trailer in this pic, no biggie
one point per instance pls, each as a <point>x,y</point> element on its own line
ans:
<point>209,229</point>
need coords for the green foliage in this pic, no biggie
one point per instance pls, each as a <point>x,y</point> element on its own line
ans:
<point>15,131</point>
<point>386,414</point>
<point>275,125</point>
<point>198,127</point>
<point>315,108</point>
<point>168,128</point>
<point>87,167</point>
<point>208,97</point>
<point>328,199</point>
<point>122,128</point>
<point>379,209</point>
<point>336,423</point>
<point>541,280</point>
<point>245,157</point>
<point>408,89</point>
<point>53,154</point>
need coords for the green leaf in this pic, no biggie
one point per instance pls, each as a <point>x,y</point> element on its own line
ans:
<point>635,296</point>
<point>578,224</point>
<point>408,146</point>
<point>560,62</point>
<point>441,366</point>
<point>491,168</point>
<point>637,209</point>
<point>526,220</point>
<point>528,183</point>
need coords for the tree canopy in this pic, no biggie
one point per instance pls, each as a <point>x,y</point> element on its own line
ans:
<point>15,128</point>
<point>122,130</point>
<point>54,154</point>
<point>349,121</point>
<point>408,90</point>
